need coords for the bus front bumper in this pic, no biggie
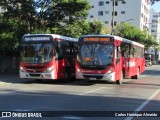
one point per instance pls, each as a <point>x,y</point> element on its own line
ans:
<point>105,77</point>
<point>49,75</point>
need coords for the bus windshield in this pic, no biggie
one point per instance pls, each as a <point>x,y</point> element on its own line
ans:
<point>95,54</point>
<point>36,53</point>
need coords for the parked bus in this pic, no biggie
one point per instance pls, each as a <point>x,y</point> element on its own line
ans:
<point>47,56</point>
<point>108,58</point>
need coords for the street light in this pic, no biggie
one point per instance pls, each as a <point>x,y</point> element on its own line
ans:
<point>126,20</point>
<point>129,19</point>
<point>113,14</point>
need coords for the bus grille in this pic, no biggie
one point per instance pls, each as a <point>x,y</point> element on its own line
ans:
<point>35,75</point>
<point>35,67</point>
<point>91,76</point>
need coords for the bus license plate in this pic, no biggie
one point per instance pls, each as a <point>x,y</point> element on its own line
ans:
<point>92,78</point>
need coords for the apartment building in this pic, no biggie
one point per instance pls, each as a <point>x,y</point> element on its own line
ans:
<point>133,11</point>
<point>155,24</point>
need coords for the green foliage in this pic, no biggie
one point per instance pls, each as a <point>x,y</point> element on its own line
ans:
<point>65,17</point>
<point>95,27</point>
<point>134,33</point>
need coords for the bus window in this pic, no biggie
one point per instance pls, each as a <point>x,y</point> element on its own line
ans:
<point>59,51</point>
<point>126,51</point>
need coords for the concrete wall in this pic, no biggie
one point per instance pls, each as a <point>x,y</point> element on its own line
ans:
<point>9,64</point>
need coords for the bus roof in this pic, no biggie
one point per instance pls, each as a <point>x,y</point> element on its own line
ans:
<point>117,38</point>
<point>54,36</point>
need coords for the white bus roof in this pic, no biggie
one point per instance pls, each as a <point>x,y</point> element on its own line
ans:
<point>55,36</point>
<point>116,37</point>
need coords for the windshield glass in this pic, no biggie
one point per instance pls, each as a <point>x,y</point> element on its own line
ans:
<point>95,54</point>
<point>36,53</point>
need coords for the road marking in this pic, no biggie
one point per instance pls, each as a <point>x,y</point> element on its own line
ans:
<point>92,91</point>
<point>4,83</point>
<point>144,104</point>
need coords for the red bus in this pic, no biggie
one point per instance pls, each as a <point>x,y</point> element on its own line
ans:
<point>47,56</point>
<point>108,58</point>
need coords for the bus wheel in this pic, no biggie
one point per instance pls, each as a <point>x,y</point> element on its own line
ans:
<point>120,80</point>
<point>137,75</point>
<point>67,76</point>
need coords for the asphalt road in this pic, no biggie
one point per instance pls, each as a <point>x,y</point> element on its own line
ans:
<point>84,100</point>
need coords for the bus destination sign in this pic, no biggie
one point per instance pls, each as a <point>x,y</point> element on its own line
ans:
<point>36,38</point>
<point>97,39</point>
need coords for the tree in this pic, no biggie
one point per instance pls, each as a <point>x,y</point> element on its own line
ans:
<point>56,13</point>
<point>134,33</point>
<point>95,27</point>
<point>65,17</point>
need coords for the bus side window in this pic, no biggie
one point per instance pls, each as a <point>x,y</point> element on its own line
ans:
<point>123,49</point>
<point>126,52</point>
<point>74,48</point>
<point>118,52</point>
<point>132,51</point>
<point>67,48</point>
<point>59,50</point>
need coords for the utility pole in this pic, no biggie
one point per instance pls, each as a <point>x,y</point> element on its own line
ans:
<point>113,14</point>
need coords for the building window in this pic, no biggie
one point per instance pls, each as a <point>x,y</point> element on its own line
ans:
<point>153,25</point>
<point>106,22</point>
<point>123,2</point>
<point>115,13</point>
<point>106,12</point>
<point>107,2</point>
<point>116,3</point>
<point>100,13</point>
<point>122,12</point>
<point>101,3</point>
<point>142,14</point>
<point>91,16</point>
<point>155,16</point>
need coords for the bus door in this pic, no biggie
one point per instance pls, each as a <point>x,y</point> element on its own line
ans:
<point>129,61</point>
<point>59,60</point>
<point>118,65</point>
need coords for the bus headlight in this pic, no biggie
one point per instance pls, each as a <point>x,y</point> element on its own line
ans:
<point>49,69</point>
<point>78,70</point>
<point>110,70</point>
<point>21,69</point>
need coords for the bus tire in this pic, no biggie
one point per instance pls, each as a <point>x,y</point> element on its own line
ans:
<point>137,75</point>
<point>119,82</point>
<point>67,76</point>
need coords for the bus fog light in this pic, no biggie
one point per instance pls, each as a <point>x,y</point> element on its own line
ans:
<point>47,75</point>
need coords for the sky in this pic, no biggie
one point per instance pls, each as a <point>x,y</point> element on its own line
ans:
<point>156,6</point>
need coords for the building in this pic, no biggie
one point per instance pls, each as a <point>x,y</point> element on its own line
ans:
<point>155,24</point>
<point>134,11</point>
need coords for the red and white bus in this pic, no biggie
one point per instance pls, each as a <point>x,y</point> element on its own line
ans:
<point>47,56</point>
<point>108,58</point>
